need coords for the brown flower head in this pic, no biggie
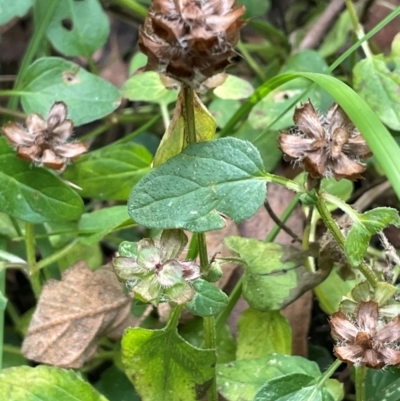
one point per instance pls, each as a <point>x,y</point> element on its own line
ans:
<point>325,146</point>
<point>44,142</point>
<point>191,40</point>
<point>364,339</point>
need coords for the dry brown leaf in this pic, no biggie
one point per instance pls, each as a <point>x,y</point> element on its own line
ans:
<point>74,313</point>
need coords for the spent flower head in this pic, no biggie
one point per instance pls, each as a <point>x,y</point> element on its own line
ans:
<point>364,338</point>
<point>44,142</point>
<point>191,40</point>
<point>152,269</point>
<point>326,146</point>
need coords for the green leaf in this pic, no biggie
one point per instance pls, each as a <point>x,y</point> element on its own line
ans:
<point>234,88</point>
<point>72,33</point>
<point>115,386</point>
<point>240,380</point>
<point>139,60</point>
<point>377,80</point>
<point>34,194</point>
<point>45,383</point>
<point>148,87</point>
<point>383,384</point>
<point>52,79</point>
<point>209,300</point>
<point>266,142</point>
<point>99,223</point>
<point>110,173</point>
<point>294,386</point>
<point>190,190</point>
<point>377,219</point>
<point>368,224</point>
<point>263,333</point>
<point>164,367</point>
<point>176,137</point>
<point>274,274</point>
<point>16,8</point>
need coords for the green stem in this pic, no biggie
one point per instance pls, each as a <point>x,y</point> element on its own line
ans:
<point>329,372</point>
<point>55,256</point>
<point>210,342</point>
<point>96,132</point>
<point>2,309</point>
<point>12,113</point>
<point>40,31</point>
<point>165,114</point>
<point>138,131</point>
<point>361,373</point>
<point>132,5</point>
<point>210,338</point>
<point>358,30</point>
<point>289,184</point>
<point>250,61</point>
<point>234,297</point>
<point>173,318</point>
<point>31,258</point>
<point>335,231</point>
<point>190,127</point>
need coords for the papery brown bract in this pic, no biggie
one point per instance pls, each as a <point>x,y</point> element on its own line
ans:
<point>44,142</point>
<point>364,339</point>
<point>189,40</point>
<point>325,146</point>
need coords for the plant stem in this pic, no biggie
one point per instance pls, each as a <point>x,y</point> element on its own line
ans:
<point>173,318</point>
<point>250,61</point>
<point>361,373</point>
<point>55,256</point>
<point>190,127</point>
<point>210,338</point>
<point>358,30</point>
<point>132,5</point>
<point>165,114</point>
<point>12,113</point>
<point>329,372</point>
<point>234,297</point>
<point>2,310</point>
<point>334,229</point>
<point>31,257</point>
<point>40,31</point>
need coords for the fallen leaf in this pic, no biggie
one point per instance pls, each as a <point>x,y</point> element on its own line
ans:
<point>74,313</point>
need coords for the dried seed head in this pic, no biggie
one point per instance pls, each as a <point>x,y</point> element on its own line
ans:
<point>191,40</point>
<point>364,339</point>
<point>328,146</point>
<point>44,142</point>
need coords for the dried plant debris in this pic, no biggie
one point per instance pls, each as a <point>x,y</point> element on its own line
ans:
<point>328,146</point>
<point>74,313</point>
<point>191,40</point>
<point>44,142</point>
<point>364,338</point>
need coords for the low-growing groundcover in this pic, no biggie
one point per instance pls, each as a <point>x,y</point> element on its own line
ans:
<point>131,169</point>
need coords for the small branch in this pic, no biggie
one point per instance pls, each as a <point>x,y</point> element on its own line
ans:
<point>31,257</point>
<point>318,30</point>
<point>281,225</point>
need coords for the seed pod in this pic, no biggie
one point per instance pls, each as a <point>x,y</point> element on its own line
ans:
<point>191,40</point>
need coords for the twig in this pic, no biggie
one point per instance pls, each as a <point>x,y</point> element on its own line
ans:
<point>279,223</point>
<point>316,33</point>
